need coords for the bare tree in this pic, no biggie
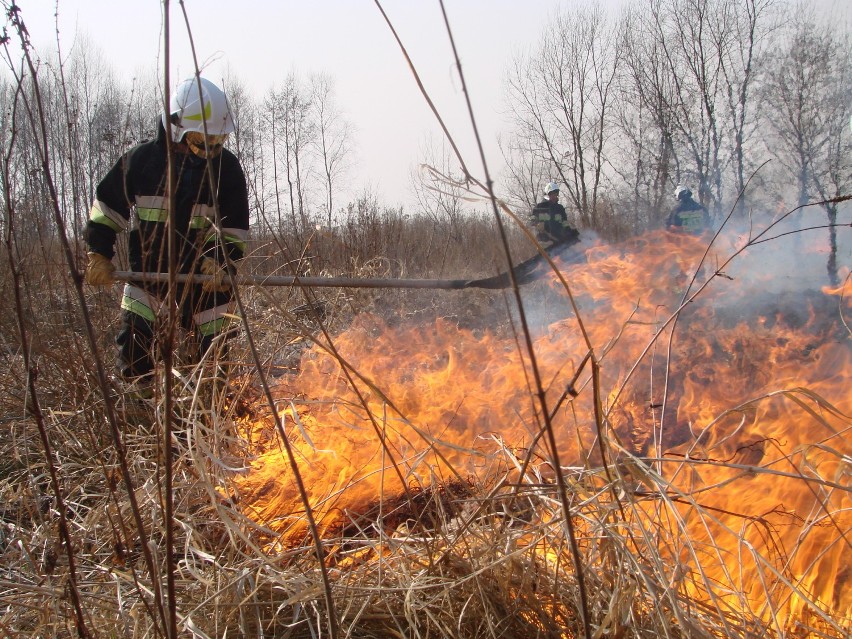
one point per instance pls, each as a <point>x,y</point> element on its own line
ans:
<point>526,174</point>
<point>307,143</point>
<point>807,94</point>
<point>29,191</point>
<point>272,124</point>
<point>98,114</point>
<point>332,139</point>
<point>144,108</point>
<point>7,127</point>
<point>287,116</point>
<point>744,28</point>
<point>646,116</point>
<point>561,99</point>
<point>688,76</point>
<point>277,117</point>
<point>248,141</point>
<point>298,132</point>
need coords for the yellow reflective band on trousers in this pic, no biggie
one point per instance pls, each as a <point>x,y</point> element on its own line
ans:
<point>213,328</point>
<point>152,215</point>
<point>237,237</point>
<point>212,321</point>
<point>138,302</point>
<point>236,241</point>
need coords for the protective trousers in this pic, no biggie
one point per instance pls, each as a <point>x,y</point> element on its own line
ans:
<point>144,314</point>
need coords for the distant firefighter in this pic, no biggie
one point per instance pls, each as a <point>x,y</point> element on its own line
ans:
<point>551,221</point>
<point>688,216</point>
<point>210,218</point>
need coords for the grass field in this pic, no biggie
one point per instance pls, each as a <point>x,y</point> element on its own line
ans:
<point>602,464</point>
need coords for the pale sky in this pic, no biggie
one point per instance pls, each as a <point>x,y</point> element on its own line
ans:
<point>262,41</point>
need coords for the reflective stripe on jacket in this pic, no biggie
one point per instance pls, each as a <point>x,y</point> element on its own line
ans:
<point>132,197</point>
<point>551,222</point>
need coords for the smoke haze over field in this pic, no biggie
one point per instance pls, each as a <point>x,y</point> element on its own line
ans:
<point>792,258</point>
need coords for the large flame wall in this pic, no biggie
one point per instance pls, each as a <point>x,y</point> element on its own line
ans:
<point>738,411</point>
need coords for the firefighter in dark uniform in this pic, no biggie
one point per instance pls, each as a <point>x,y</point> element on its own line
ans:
<point>211,221</point>
<point>551,221</point>
<point>688,216</point>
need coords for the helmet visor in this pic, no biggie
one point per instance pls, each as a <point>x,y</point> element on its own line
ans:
<point>196,142</point>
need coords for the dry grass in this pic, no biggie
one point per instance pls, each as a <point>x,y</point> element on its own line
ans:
<point>488,557</point>
<point>614,526</point>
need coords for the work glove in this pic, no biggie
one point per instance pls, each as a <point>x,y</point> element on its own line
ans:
<point>99,270</point>
<point>219,281</point>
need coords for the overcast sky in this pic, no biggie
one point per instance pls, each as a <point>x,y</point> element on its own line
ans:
<point>262,41</point>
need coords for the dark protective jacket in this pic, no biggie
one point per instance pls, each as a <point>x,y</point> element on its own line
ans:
<point>688,215</point>
<point>551,223</point>
<point>132,197</point>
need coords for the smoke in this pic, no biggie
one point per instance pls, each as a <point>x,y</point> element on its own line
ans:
<point>791,254</point>
<point>763,260</point>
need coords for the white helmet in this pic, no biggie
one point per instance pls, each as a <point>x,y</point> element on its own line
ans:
<point>189,113</point>
<point>550,187</point>
<point>681,190</point>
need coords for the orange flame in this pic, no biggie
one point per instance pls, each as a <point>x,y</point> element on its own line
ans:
<point>733,412</point>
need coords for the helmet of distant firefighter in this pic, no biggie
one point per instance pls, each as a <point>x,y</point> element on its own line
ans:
<point>681,192</point>
<point>550,187</point>
<point>194,114</point>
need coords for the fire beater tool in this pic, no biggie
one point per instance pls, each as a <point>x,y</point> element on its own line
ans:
<point>525,272</point>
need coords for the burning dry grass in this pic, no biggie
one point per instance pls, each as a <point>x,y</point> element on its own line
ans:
<point>722,508</point>
<point>674,465</point>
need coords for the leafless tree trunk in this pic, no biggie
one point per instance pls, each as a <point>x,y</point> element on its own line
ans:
<point>807,94</point>
<point>745,26</point>
<point>297,136</point>
<point>690,66</point>
<point>646,114</point>
<point>561,99</point>
<point>288,112</point>
<point>333,137</point>
<point>526,174</point>
<point>683,28</point>
<point>247,141</point>
<point>271,118</point>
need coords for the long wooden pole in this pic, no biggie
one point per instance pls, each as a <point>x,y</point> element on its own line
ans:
<point>290,280</point>
<point>527,271</point>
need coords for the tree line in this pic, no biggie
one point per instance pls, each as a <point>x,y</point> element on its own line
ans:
<point>747,102</point>
<point>728,97</point>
